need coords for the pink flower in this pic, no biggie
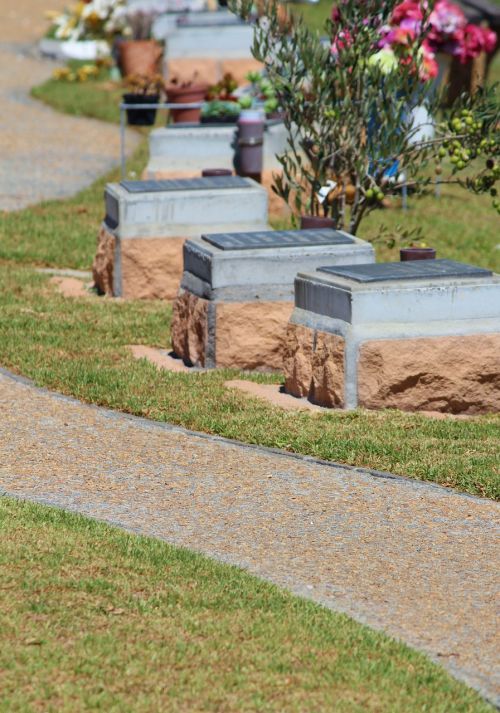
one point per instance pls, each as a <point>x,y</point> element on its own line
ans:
<point>475,40</point>
<point>407,10</point>
<point>342,39</point>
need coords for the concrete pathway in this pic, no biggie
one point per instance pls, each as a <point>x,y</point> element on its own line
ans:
<point>417,561</point>
<point>44,154</point>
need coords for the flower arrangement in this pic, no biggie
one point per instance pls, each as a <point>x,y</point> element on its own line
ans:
<point>87,20</point>
<point>445,30</point>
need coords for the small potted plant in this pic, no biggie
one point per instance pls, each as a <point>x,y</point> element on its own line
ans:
<point>220,112</point>
<point>186,92</point>
<point>142,90</point>
<point>223,90</point>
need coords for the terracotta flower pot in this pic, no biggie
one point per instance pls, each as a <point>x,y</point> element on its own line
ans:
<point>186,95</point>
<point>308,222</point>
<point>139,57</point>
<point>406,254</point>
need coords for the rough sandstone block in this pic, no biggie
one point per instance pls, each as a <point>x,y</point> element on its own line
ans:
<point>190,328</point>
<point>313,364</point>
<point>251,335</point>
<point>447,374</point>
<point>247,335</point>
<point>151,268</point>
<point>297,360</point>
<point>102,267</point>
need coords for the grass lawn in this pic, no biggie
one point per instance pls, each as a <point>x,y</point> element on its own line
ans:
<point>96,98</point>
<point>92,618</point>
<point>78,347</point>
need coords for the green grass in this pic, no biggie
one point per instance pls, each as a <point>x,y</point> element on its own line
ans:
<point>98,98</point>
<point>61,233</point>
<point>92,618</point>
<point>78,347</point>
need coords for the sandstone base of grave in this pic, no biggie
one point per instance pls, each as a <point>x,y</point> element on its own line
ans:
<point>104,260</point>
<point>277,207</point>
<point>313,363</point>
<point>240,335</point>
<point>211,70</point>
<point>449,374</point>
<point>149,268</point>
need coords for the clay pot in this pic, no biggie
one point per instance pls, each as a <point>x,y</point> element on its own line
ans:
<point>186,95</point>
<point>310,222</point>
<point>406,254</point>
<point>216,172</point>
<point>139,57</point>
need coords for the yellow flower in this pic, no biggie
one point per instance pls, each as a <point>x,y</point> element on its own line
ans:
<point>61,73</point>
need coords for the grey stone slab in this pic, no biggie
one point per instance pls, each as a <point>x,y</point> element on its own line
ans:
<point>185,184</point>
<point>277,239</point>
<point>238,204</point>
<point>269,264</point>
<point>412,270</point>
<point>223,42</point>
<point>419,300</point>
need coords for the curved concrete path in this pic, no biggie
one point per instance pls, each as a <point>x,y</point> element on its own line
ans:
<point>44,154</point>
<point>417,561</point>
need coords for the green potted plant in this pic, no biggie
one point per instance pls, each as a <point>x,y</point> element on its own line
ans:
<point>220,112</point>
<point>142,90</point>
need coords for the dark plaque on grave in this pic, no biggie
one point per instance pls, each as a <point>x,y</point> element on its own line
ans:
<point>277,239</point>
<point>185,184</point>
<point>417,270</point>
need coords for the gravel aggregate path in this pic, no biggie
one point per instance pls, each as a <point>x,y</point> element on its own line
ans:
<point>415,560</point>
<point>44,154</point>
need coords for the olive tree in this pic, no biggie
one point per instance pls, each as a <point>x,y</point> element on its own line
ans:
<point>348,110</point>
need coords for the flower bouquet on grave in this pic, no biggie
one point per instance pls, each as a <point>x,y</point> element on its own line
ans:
<point>84,30</point>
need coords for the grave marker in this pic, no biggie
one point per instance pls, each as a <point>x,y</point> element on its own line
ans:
<point>139,252</point>
<point>414,336</point>
<point>237,292</point>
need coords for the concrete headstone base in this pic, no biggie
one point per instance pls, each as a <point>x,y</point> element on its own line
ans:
<point>240,335</point>
<point>449,374</point>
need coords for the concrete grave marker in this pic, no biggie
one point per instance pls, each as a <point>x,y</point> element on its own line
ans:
<point>140,243</point>
<point>414,336</point>
<point>190,148</point>
<point>237,292</point>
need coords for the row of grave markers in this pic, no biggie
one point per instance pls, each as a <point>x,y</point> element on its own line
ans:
<point>311,303</point>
